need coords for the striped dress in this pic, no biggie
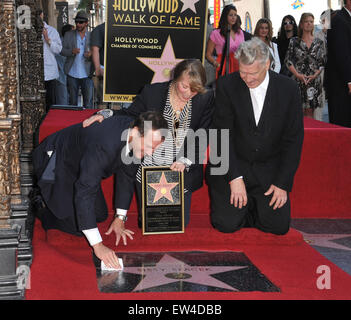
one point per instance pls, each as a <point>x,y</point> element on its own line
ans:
<point>165,154</point>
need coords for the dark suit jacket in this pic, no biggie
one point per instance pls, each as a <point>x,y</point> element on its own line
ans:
<point>153,97</point>
<point>272,149</point>
<point>70,179</point>
<point>338,71</point>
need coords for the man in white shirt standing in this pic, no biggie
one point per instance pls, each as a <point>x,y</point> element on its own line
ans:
<point>263,112</point>
<point>51,46</point>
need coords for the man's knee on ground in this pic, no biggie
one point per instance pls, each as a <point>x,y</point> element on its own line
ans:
<point>225,228</point>
<point>277,230</point>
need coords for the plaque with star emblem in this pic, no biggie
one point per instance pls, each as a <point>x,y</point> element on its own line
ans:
<point>162,200</point>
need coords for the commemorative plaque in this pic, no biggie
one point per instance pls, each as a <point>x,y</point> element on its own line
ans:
<point>162,200</point>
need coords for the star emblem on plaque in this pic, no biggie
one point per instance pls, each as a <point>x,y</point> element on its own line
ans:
<point>162,200</point>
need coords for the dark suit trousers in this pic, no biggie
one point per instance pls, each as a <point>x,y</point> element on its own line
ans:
<point>256,214</point>
<point>69,224</point>
<point>339,106</point>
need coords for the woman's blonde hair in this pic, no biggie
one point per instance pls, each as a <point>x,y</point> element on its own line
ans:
<point>302,20</point>
<point>196,72</point>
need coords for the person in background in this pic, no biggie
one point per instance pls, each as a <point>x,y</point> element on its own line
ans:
<point>339,67</point>
<point>61,91</point>
<point>210,70</point>
<point>76,47</point>
<point>288,30</point>
<point>218,41</point>
<point>322,35</point>
<point>52,45</point>
<point>305,59</point>
<point>97,44</point>
<point>264,31</point>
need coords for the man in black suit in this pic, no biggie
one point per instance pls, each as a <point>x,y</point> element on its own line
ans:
<point>263,113</point>
<point>338,71</point>
<point>71,163</point>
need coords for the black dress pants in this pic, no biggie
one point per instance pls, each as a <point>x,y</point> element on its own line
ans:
<point>339,106</point>
<point>50,94</point>
<point>256,214</point>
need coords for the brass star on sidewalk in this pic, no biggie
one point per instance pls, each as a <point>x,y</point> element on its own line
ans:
<point>325,240</point>
<point>170,270</point>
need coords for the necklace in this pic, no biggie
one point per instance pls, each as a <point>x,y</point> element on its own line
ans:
<point>178,128</point>
<point>177,103</point>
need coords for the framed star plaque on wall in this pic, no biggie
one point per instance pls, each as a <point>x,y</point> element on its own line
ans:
<point>162,200</point>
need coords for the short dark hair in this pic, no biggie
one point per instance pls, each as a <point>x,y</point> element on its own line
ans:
<point>156,118</point>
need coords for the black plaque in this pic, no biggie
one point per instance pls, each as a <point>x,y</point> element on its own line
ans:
<point>162,200</point>
<point>144,40</point>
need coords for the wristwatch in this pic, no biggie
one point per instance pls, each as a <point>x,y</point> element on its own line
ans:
<point>106,113</point>
<point>121,217</point>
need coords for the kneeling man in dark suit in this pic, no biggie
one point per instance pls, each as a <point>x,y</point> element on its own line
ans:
<point>263,113</point>
<point>70,164</point>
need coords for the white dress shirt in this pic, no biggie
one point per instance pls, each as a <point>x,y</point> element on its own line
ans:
<point>50,64</point>
<point>257,97</point>
<point>93,235</point>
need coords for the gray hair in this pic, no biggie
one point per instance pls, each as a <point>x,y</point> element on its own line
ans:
<point>253,50</point>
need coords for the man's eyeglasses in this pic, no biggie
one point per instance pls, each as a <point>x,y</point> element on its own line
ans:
<point>288,22</point>
<point>80,22</point>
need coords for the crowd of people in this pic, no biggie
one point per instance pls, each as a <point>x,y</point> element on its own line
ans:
<point>257,114</point>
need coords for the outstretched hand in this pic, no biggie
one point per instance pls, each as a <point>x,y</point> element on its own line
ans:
<point>117,226</point>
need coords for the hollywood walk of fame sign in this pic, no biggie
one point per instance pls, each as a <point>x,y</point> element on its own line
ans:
<point>162,200</point>
<point>144,40</point>
<point>193,271</point>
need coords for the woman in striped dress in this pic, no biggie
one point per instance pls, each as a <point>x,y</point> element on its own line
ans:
<point>187,106</point>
